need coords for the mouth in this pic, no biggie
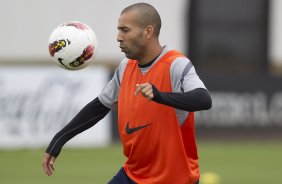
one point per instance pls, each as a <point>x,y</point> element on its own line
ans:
<point>122,48</point>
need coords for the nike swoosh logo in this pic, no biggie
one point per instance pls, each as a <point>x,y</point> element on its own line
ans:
<point>135,129</point>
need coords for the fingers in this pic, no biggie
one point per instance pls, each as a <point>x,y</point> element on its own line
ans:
<point>48,164</point>
<point>52,162</point>
<point>146,90</point>
<point>138,89</point>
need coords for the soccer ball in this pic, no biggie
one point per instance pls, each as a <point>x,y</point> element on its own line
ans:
<point>72,45</point>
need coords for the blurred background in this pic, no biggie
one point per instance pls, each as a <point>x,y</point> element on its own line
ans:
<point>235,46</point>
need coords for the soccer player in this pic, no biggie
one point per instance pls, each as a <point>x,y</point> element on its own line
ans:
<point>155,91</point>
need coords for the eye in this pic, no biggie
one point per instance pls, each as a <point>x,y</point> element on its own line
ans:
<point>124,30</point>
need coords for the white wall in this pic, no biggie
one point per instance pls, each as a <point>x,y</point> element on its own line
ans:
<point>36,102</point>
<point>275,32</point>
<point>26,25</point>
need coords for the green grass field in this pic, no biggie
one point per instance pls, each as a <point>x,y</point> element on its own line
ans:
<point>234,163</point>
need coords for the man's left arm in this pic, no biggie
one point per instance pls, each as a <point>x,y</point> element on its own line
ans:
<point>194,100</point>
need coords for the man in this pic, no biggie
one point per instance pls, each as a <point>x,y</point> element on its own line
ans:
<point>155,90</point>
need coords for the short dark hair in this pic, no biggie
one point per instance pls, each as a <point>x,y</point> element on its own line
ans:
<point>148,16</point>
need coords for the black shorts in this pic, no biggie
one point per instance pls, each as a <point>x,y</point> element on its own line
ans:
<point>122,178</point>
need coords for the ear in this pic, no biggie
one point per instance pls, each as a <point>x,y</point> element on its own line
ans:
<point>149,32</point>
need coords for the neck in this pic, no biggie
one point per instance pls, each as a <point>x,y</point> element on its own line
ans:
<point>151,54</point>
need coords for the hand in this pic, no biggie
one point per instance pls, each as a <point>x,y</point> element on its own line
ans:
<point>48,164</point>
<point>146,90</point>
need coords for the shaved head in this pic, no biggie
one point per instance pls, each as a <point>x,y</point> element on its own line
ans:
<point>146,15</point>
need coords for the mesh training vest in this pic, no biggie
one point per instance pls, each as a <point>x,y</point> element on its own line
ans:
<point>158,150</point>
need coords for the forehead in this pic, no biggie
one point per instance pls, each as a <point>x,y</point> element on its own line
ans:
<point>128,19</point>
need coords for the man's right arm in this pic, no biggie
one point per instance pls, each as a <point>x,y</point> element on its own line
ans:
<point>85,119</point>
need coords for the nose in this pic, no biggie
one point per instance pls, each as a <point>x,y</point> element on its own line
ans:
<point>119,37</point>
